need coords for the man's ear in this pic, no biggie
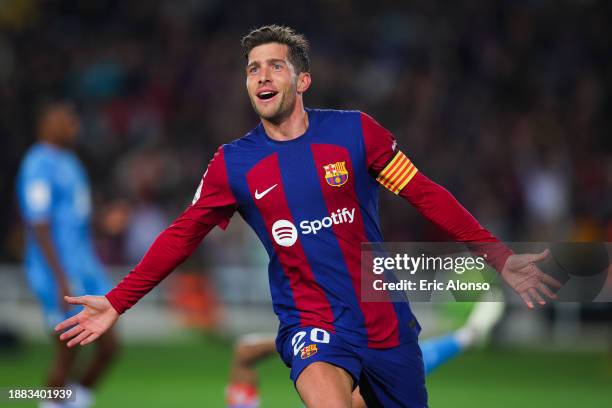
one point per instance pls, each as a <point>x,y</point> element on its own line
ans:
<point>303,82</point>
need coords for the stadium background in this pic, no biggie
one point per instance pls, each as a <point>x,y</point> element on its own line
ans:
<point>503,102</point>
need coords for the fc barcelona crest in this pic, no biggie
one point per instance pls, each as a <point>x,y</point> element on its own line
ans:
<point>308,351</point>
<point>336,174</point>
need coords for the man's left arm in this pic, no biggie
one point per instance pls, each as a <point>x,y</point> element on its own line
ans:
<point>397,173</point>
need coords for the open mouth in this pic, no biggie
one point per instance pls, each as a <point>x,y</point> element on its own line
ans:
<point>265,95</point>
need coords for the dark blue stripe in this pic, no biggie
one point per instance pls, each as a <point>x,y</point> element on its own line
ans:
<point>306,202</point>
<point>280,289</point>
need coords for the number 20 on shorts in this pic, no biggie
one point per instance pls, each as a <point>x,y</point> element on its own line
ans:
<point>316,336</point>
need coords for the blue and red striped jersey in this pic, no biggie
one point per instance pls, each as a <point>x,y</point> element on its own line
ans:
<point>311,201</point>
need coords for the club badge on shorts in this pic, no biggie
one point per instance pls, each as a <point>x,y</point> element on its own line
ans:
<point>308,351</point>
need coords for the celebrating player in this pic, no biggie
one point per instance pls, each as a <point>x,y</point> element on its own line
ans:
<point>60,260</point>
<point>306,181</point>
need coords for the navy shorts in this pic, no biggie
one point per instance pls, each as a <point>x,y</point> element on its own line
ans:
<point>392,377</point>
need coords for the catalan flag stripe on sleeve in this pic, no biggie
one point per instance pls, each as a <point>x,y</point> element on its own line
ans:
<point>397,173</point>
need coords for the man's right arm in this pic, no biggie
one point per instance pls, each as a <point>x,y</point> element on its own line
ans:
<point>212,205</point>
<point>42,234</point>
<point>36,197</point>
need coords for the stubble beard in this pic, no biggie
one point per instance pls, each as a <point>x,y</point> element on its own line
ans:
<point>285,107</point>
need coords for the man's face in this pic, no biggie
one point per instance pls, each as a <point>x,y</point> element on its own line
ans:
<point>271,81</point>
<point>67,125</point>
<point>61,123</point>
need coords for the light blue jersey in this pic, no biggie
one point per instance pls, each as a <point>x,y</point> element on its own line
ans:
<point>53,188</point>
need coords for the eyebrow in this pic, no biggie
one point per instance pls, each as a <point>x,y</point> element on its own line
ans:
<point>270,61</point>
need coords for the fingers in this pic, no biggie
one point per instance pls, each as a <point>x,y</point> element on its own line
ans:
<point>539,257</point>
<point>67,323</point>
<point>79,338</point>
<point>533,293</point>
<point>72,332</point>
<point>76,300</point>
<point>526,299</point>
<point>93,337</point>
<point>547,292</point>
<point>549,280</point>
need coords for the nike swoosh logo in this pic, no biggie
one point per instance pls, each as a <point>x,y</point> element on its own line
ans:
<point>258,196</point>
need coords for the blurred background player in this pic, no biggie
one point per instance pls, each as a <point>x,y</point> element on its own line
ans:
<point>60,260</point>
<point>243,388</point>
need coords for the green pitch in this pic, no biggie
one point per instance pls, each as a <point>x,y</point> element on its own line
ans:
<point>194,375</point>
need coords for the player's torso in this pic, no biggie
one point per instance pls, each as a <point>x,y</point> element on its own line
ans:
<point>74,196</point>
<point>70,205</point>
<point>312,203</point>
<point>309,194</point>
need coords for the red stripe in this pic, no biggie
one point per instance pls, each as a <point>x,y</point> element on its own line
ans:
<point>309,298</point>
<point>380,318</point>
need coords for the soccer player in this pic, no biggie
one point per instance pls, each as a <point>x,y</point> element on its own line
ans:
<point>306,181</point>
<point>54,198</point>
<point>243,388</point>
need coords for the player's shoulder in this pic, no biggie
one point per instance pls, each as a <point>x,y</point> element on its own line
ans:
<point>238,149</point>
<point>35,152</point>
<point>249,140</point>
<point>36,166</point>
<point>38,156</point>
<point>239,146</point>
<point>351,121</point>
<point>341,127</point>
<point>323,115</point>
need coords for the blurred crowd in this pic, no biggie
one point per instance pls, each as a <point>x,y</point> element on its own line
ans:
<point>502,102</point>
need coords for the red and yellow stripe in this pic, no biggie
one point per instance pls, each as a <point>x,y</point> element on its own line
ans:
<point>397,173</point>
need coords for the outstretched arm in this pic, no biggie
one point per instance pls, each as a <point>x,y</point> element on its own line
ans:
<point>519,271</point>
<point>213,205</point>
<point>175,244</point>
<point>397,173</point>
<point>100,313</point>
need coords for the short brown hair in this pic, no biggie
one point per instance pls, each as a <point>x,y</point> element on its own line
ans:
<point>297,44</point>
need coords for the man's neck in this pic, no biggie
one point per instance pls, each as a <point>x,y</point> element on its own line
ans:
<point>290,128</point>
<point>54,143</point>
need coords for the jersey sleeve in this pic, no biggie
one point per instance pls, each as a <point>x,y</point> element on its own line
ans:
<point>391,168</point>
<point>439,206</point>
<point>36,195</point>
<point>396,172</point>
<point>212,205</point>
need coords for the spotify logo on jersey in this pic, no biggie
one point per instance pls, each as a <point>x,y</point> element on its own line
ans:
<point>284,233</point>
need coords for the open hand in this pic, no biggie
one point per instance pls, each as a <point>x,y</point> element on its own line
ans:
<point>97,316</point>
<point>527,280</point>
